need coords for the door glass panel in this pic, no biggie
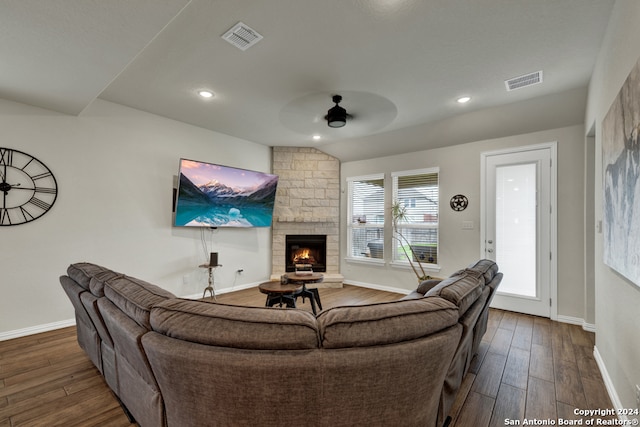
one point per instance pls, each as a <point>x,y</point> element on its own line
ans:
<point>516,228</point>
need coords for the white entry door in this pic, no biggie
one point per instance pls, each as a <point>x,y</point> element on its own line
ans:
<point>518,227</point>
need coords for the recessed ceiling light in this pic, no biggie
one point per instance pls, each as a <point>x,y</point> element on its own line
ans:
<point>464,99</point>
<point>316,137</point>
<point>205,93</point>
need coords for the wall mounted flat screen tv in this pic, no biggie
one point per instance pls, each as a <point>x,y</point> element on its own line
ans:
<point>211,195</point>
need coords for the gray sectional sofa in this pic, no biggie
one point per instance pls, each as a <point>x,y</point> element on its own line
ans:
<point>179,362</point>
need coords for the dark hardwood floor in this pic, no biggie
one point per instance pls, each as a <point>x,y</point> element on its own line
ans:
<point>528,367</point>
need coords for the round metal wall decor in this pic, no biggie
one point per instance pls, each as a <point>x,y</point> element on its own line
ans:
<point>28,189</point>
<point>459,202</point>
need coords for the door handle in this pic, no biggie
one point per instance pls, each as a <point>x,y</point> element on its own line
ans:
<point>489,241</point>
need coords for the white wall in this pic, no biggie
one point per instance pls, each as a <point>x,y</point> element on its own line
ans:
<point>460,174</point>
<point>115,169</point>
<point>617,300</point>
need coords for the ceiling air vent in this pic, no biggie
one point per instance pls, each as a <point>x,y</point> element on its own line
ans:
<point>524,81</point>
<point>242,36</point>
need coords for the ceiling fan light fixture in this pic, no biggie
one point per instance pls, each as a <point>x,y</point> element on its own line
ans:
<point>336,116</point>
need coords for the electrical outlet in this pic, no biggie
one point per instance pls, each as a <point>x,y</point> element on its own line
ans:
<point>185,279</point>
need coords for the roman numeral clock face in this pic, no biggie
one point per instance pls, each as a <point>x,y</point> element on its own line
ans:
<point>28,189</point>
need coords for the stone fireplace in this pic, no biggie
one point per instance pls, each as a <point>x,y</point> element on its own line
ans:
<point>307,204</point>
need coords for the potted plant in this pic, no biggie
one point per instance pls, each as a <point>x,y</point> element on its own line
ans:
<point>399,215</point>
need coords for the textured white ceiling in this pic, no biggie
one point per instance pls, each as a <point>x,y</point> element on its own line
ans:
<point>417,55</point>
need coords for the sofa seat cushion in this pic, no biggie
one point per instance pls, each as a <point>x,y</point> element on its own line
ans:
<point>462,290</point>
<point>384,323</point>
<point>135,297</point>
<point>233,326</point>
<point>82,272</point>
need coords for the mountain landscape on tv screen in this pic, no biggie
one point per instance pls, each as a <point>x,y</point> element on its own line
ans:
<point>215,204</point>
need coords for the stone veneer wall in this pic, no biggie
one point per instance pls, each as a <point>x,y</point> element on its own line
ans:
<point>307,202</point>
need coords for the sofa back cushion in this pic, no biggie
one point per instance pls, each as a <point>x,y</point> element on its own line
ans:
<point>486,267</point>
<point>384,323</point>
<point>82,272</point>
<point>425,285</point>
<point>96,284</point>
<point>238,327</point>
<point>208,385</point>
<point>461,289</point>
<point>135,297</point>
<point>387,385</point>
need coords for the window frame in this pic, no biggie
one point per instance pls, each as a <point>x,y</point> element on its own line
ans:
<point>395,261</point>
<point>351,225</point>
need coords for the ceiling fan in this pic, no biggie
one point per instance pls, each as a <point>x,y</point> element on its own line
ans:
<point>308,114</point>
<point>337,116</point>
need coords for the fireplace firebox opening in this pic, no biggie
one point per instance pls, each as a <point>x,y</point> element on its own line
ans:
<point>310,249</point>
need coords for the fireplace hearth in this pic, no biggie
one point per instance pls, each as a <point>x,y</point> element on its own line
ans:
<point>308,249</point>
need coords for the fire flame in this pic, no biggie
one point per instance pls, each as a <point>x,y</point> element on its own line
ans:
<point>302,255</point>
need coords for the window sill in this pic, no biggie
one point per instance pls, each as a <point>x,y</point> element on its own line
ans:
<point>364,260</point>
<point>435,268</point>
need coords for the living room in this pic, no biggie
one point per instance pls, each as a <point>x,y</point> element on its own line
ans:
<point>116,168</point>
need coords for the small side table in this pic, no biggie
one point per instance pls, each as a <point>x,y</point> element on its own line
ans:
<point>210,288</point>
<point>304,279</point>
<point>280,293</point>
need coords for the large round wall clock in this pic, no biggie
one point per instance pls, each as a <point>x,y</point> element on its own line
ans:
<point>28,188</point>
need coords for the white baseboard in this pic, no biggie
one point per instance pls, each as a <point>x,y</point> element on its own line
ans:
<point>608,383</point>
<point>18,333</point>
<point>589,327</point>
<point>9,335</point>
<point>71,322</point>
<point>378,287</point>
<point>225,290</point>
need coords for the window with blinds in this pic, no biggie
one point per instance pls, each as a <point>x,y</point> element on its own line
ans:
<point>366,217</point>
<point>417,194</point>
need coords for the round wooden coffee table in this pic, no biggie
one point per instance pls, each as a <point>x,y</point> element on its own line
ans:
<point>280,293</point>
<point>304,278</point>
